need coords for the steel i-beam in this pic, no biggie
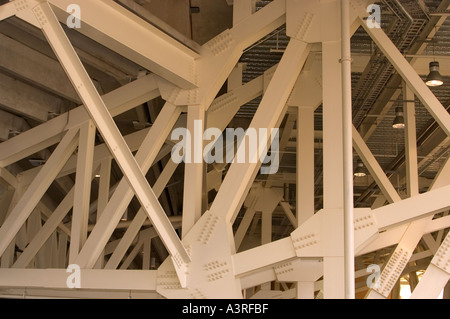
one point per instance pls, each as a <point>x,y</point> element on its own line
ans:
<point>105,124</point>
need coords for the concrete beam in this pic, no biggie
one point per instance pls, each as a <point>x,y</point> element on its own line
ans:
<point>10,122</point>
<point>30,65</point>
<point>25,100</point>
<point>129,35</point>
<point>51,132</point>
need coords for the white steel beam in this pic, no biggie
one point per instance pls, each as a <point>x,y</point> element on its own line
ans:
<point>437,274</point>
<point>305,164</point>
<point>130,36</point>
<point>266,227</point>
<point>44,233</point>
<point>223,108</point>
<point>194,166</point>
<point>128,280</point>
<point>139,219</point>
<point>243,226</point>
<point>220,55</point>
<point>104,186</point>
<point>220,113</point>
<point>412,173</point>
<point>9,178</point>
<point>105,124</point>
<point>264,256</point>
<point>407,244</point>
<point>414,231</point>
<point>52,131</point>
<point>132,255</point>
<point>431,284</point>
<point>410,76</point>
<point>34,293</point>
<point>101,152</point>
<point>289,214</point>
<point>242,9</point>
<point>332,127</point>
<point>123,194</point>
<point>47,212</point>
<point>374,168</point>
<point>394,235</point>
<point>36,190</point>
<point>413,208</point>
<point>229,198</point>
<point>7,10</point>
<point>82,193</point>
<point>103,197</point>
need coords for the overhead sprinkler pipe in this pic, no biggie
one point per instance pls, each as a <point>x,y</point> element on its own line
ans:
<point>346,64</point>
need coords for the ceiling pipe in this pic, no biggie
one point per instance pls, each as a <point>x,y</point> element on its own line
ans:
<point>346,64</point>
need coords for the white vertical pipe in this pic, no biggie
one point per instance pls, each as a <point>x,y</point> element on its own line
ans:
<point>349,252</point>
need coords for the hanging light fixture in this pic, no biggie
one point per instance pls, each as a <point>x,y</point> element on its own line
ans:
<point>399,121</point>
<point>434,78</point>
<point>125,216</point>
<point>359,170</point>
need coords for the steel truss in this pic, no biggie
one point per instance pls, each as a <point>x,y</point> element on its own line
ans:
<point>205,261</point>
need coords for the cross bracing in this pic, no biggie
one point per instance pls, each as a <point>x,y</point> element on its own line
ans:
<point>88,180</point>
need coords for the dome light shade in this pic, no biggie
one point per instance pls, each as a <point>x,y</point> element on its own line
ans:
<point>399,121</point>
<point>360,171</point>
<point>434,78</point>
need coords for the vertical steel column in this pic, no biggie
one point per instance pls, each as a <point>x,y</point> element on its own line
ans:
<point>103,197</point>
<point>193,175</point>
<point>346,61</point>
<point>412,173</point>
<point>80,215</point>
<point>305,164</point>
<point>333,180</point>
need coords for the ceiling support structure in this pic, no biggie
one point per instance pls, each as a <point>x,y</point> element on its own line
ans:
<point>207,259</point>
<point>123,195</point>
<point>333,150</point>
<point>82,192</point>
<point>105,124</point>
<point>194,167</point>
<point>51,132</point>
<point>412,172</point>
<point>36,190</point>
<point>374,168</point>
<point>44,233</point>
<point>229,198</point>
<point>119,30</point>
<point>139,219</point>
<point>410,76</point>
<point>414,232</point>
<point>305,164</point>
